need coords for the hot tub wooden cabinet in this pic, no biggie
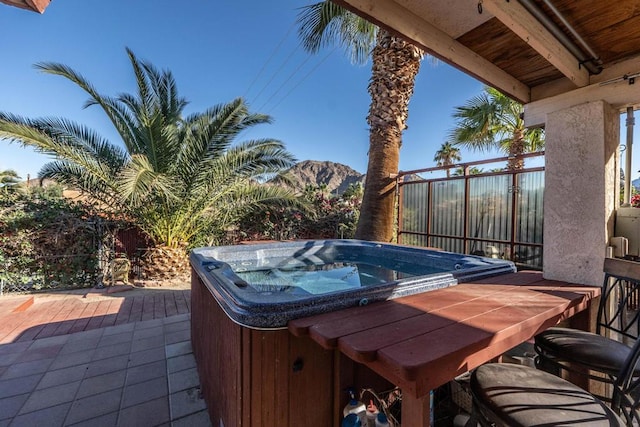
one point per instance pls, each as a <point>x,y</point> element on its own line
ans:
<point>258,378</point>
<point>253,371</point>
<point>268,378</point>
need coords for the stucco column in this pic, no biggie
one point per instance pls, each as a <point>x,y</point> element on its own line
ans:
<point>581,190</point>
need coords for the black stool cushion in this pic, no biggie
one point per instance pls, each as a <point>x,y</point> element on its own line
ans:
<point>586,348</point>
<point>518,395</point>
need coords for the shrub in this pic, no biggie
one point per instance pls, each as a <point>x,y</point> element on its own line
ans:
<point>47,242</point>
<point>328,217</point>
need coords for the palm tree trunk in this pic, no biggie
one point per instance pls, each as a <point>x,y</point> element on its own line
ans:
<point>395,66</point>
<point>165,263</point>
<point>378,201</point>
<point>516,150</point>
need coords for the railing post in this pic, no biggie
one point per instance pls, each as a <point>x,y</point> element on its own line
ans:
<point>429,212</point>
<point>399,197</point>
<point>514,216</point>
<point>465,218</point>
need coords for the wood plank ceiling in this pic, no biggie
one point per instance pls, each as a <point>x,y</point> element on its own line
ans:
<point>507,45</point>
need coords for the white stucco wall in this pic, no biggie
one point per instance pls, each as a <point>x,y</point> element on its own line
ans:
<point>580,190</point>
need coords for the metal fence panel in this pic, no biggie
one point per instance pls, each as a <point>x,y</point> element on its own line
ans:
<point>448,207</point>
<point>416,240</point>
<point>415,211</point>
<point>530,207</point>
<point>448,244</point>
<point>490,212</point>
<point>497,215</point>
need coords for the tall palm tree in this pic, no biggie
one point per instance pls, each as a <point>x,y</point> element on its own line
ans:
<point>447,155</point>
<point>493,120</point>
<point>395,64</point>
<point>178,178</point>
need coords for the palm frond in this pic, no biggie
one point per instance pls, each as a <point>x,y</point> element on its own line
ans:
<point>114,115</point>
<point>252,160</point>
<point>209,135</point>
<point>123,119</point>
<point>490,120</point>
<point>138,183</point>
<point>83,138</point>
<point>326,23</point>
<point>66,141</point>
<point>76,177</point>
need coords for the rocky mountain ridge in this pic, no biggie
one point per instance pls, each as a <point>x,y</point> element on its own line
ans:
<point>336,176</point>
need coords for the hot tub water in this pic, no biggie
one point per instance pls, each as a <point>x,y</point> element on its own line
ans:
<point>325,278</point>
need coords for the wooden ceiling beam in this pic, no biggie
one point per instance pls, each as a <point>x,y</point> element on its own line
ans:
<point>390,14</point>
<point>619,93</point>
<point>34,5</point>
<point>39,5</point>
<point>557,87</point>
<point>528,28</point>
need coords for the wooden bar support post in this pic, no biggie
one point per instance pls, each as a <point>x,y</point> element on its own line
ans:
<point>416,411</point>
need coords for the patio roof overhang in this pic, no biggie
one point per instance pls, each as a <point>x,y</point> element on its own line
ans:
<point>539,52</point>
<point>34,5</point>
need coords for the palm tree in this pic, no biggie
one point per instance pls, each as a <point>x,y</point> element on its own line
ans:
<point>179,179</point>
<point>471,171</point>
<point>447,155</point>
<point>395,64</point>
<point>8,181</point>
<point>493,120</point>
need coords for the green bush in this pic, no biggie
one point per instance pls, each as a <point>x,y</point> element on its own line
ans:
<point>47,242</point>
<point>328,217</point>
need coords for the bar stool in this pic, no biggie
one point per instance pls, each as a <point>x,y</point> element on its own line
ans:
<point>604,352</point>
<point>506,394</point>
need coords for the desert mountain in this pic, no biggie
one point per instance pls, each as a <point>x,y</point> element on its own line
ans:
<point>336,176</point>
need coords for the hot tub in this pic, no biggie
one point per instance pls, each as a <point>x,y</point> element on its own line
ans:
<point>263,286</point>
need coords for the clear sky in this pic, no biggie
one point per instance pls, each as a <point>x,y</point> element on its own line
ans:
<point>217,50</point>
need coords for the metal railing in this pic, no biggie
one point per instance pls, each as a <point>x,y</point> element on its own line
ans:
<point>494,214</point>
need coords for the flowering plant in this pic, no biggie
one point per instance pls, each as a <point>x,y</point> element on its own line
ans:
<point>328,217</point>
<point>635,201</point>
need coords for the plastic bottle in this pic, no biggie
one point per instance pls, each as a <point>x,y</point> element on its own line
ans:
<point>381,420</point>
<point>371,414</point>
<point>355,407</point>
<point>351,420</point>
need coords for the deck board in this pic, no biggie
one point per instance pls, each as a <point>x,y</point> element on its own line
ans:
<point>62,313</point>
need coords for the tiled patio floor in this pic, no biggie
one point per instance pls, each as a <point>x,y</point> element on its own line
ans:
<point>135,373</point>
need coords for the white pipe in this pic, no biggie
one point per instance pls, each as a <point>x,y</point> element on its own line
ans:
<point>591,64</point>
<point>569,27</point>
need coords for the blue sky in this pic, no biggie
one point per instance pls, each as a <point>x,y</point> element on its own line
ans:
<point>218,50</point>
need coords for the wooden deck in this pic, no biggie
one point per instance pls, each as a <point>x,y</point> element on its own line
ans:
<point>24,318</point>
<point>420,342</point>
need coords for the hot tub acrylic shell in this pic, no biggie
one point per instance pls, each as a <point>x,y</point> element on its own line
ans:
<point>258,309</point>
